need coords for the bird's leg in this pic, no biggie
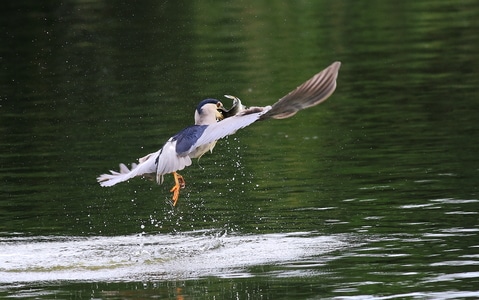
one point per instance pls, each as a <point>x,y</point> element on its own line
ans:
<point>179,184</point>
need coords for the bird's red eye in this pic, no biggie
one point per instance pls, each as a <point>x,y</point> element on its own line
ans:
<point>219,104</point>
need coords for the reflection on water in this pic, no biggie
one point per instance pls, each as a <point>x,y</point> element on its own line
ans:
<point>372,194</point>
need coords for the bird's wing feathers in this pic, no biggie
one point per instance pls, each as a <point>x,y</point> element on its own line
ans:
<point>146,165</point>
<point>230,125</point>
<point>312,92</point>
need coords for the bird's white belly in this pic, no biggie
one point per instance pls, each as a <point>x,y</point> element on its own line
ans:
<point>199,151</point>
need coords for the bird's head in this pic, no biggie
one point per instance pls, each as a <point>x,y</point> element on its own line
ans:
<point>209,111</point>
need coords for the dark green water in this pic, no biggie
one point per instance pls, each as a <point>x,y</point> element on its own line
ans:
<point>373,194</point>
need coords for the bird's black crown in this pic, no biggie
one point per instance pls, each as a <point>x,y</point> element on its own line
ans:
<point>206,101</point>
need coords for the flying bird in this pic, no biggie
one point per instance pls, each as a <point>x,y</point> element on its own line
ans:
<point>213,122</point>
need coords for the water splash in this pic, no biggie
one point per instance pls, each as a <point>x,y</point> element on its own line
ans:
<point>162,256</point>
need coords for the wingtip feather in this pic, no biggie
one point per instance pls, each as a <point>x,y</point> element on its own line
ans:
<point>312,92</point>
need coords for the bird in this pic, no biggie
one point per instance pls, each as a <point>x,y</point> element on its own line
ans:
<point>214,122</point>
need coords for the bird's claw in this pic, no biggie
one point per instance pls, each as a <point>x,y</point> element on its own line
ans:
<point>181,181</point>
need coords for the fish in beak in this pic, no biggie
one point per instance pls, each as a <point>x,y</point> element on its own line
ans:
<point>235,108</point>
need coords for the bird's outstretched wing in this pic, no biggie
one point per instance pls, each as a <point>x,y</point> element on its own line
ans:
<point>311,93</point>
<point>146,165</point>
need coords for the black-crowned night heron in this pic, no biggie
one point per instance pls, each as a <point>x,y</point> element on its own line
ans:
<point>213,122</point>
